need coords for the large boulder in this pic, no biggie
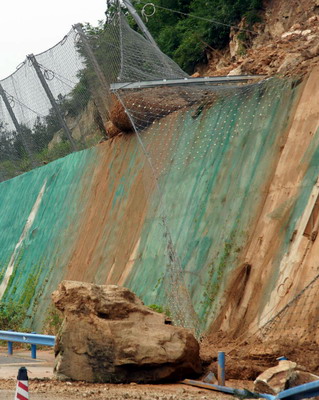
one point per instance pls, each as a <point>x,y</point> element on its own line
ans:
<point>108,335</point>
<point>285,375</point>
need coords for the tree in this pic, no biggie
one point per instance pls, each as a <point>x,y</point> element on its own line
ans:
<point>185,38</point>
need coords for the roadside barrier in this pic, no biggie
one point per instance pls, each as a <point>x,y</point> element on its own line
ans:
<point>33,339</point>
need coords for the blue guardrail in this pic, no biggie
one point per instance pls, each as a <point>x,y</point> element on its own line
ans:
<point>33,339</point>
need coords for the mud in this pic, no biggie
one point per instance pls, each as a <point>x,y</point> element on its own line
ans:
<point>246,361</point>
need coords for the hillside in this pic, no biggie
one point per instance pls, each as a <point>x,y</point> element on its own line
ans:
<point>285,42</point>
<point>203,202</point>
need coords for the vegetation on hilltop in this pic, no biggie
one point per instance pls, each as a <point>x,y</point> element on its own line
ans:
<point>181,36</point>
<point>184,38</point>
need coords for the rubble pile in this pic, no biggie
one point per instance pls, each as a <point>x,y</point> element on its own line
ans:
<point>286,42</point>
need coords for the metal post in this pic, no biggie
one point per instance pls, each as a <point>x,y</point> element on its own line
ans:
<point>15,123</point>
<point>51,98</point>
<point>146,32</point>
<point>10,348</point>
<point>139,21</point>
<point>79,29</point>
<point>33,350</point>
<point>221,368</point>
<point>98,72</point>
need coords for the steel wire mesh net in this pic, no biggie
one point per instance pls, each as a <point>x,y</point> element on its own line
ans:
<point>289,328</point>
<point>128,57</point>
<point>31,131</point>
<point>187,132</point>
<point>298,319</point>
<point>184,129</point>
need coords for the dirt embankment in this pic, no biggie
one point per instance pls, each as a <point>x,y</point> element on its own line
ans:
<point>285,42</point>
<point>275,311</point>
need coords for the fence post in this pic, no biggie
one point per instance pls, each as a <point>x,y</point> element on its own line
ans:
<point>139,22</point>
<point>51,98</point>
<point>98,72</point>
<point>16,124</point>
<point>145,31</point>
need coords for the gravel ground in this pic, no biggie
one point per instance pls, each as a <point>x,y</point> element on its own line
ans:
<point>47,389</point>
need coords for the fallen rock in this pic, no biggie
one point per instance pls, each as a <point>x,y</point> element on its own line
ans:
<point>295,27</point>
<point>108,335</point>
<point>236,71</point>
<point>285,375</point>
<point>111,129</point>
<point>306,32</point>
<point>310,38</point>
<point>312,20</point>
<point>291,61</point>
<point>149,105</point>
<point>311,52</point>
<point>291,33</point>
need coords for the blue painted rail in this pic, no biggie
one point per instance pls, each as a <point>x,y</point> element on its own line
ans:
<point>33,339</point>
<point>304,391</point>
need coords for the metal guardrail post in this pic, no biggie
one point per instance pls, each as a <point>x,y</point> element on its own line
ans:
<point>16,124</point>
<point>51,98</point>
<point>10,348</point>
<point>33,339</point>
<point>221,368</point>
<point>34,350</point>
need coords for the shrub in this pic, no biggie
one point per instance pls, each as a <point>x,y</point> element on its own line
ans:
<point>12,316</point>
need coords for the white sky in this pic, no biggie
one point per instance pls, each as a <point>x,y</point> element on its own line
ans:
<point>32,26</point>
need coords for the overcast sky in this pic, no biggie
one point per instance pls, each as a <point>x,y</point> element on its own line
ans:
<point>32,26</point>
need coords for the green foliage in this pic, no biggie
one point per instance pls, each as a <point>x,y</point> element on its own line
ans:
<point>185,38</point>
<point>160,309</point>
<point>53,321</point>
<point>14,167</point>
<point>217,269</point>
<point>57,151</point>
<point>12,316</point>
<point>79,96</point>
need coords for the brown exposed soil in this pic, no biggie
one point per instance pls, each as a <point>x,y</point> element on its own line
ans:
<point>286,42</point>
<point>247,360</point>
<point>51,389</point>
<point>96,228</point>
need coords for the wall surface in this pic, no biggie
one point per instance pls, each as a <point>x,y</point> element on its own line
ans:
<point>231,210</point>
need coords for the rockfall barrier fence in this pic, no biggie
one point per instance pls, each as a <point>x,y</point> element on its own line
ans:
<point>173,211</point>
